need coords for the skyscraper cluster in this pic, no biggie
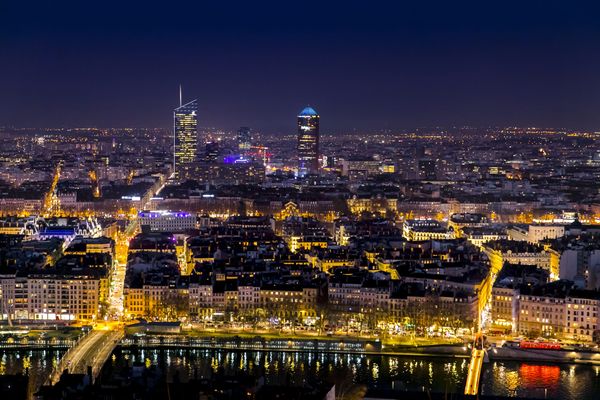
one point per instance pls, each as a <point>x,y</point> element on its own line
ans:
<point>185,139</point>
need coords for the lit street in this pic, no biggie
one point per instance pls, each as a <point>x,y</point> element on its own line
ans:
<point>474,374</point>
<point>91,351</point>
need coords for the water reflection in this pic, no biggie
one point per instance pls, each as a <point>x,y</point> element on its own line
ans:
<point>560,381</point>
<point>557,381</point>
<point>37,363</point>
<point>383,372</point>
<point>536,376</point>
<point>573,382</point>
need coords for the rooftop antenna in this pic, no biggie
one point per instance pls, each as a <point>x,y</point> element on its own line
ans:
<point>180,96</point>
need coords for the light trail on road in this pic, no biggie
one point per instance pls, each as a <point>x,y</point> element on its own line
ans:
<point>475,366</point>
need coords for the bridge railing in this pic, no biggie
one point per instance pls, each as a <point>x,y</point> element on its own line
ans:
<point>104,352</point>
<point>61,365</point>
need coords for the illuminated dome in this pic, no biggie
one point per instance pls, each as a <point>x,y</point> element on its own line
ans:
<point>308,112</point>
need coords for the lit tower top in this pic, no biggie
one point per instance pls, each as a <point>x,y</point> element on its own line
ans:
<point>308,112</point>
<point>308,142</point>
<point>185,140</point>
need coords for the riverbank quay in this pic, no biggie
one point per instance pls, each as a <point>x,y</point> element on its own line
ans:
<point>579,356</point>
<point>353,346</point>
<point>290,344</point>
<point>65,337</point>
<point>29,338</point>
<point>375,394</point>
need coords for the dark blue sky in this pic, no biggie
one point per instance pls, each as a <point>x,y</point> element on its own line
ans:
<point>364,65</point>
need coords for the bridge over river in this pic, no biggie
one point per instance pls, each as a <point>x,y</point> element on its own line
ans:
<point>91,351</point>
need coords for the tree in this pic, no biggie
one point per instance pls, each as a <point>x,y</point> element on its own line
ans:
<point>151,309</point>
<point>230,310</point>
<point>323,311</point>
<point>176,305</point>
<point>260,315</point>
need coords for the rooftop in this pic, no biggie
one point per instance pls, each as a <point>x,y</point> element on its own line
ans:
<point>308,112</point>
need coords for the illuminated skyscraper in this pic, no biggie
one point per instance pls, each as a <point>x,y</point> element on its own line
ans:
<point>211,151</point>
<point>244,140</point>
<point>308,142</point>
<point>186,135</point>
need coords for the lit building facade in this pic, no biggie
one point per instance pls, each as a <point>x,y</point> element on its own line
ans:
<point>535,233</point>
<point>418,230</point>
<point>167,221</point>
<point>186,135</point>
<point>308,142</point>
<point>514,255</point>
<point>244,140</point>
<point>48,295</point>
<point>573,316</point>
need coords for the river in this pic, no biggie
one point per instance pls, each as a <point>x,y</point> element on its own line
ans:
<point>388,373</point>
<point>559,381</point>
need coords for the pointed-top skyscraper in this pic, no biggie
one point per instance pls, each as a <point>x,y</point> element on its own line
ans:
<point>308,142</point>
<point>185,138</point>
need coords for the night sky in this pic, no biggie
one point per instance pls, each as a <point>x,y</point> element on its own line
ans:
<point>365,65</point>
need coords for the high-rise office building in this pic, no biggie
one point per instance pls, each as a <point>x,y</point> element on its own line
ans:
<point>185,135</point>
<point>244,140</point>
<point>211,151</point>
<point>308,142</point>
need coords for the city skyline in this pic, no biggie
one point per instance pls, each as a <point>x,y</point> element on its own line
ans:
<point>353,200</point>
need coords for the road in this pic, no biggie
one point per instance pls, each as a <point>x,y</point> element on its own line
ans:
<point>115,298</point>
<point>50,201</point>
<point>115,308</point>
<point>93,350</point>
<point>472,385</point>
<point>484,298</point>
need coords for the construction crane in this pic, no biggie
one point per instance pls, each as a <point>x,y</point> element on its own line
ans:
<point>262,152</point>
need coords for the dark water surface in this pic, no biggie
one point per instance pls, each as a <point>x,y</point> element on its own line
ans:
<point>522,379</point>
<point>556,381</point>
<point>38,363</point>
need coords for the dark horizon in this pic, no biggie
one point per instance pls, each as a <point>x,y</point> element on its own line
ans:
<point>385,66</point>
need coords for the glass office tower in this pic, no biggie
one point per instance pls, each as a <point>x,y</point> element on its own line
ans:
<point>308,142</point>
<point>244,140</point>
<point>186,135</point>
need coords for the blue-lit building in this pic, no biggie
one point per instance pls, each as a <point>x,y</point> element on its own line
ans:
<point>308,142</point>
